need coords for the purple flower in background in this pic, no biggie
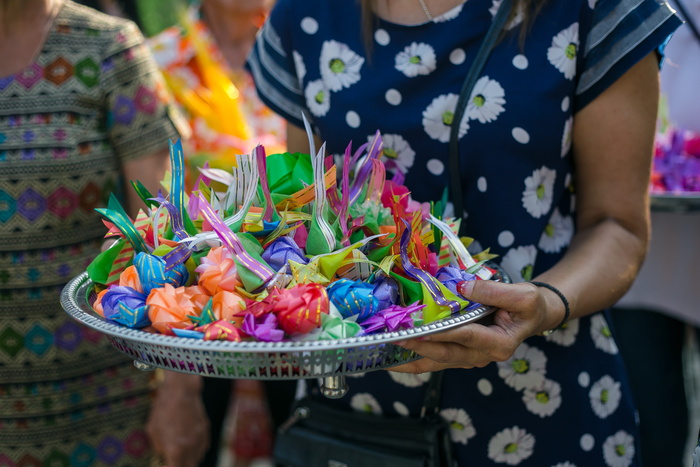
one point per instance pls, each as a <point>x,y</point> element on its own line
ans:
<point>386,291</point>
<point>263,329</point>
<point>279,252</point>
<point>451,276</point>
<point>120,294</point>
<point>390,319</point>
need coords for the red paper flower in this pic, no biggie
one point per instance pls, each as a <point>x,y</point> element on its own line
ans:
<point>299,309</point>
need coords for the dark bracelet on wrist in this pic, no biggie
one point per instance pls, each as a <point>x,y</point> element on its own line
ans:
<point>567,310</point>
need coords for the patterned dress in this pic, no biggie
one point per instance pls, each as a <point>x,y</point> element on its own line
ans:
<point>561,400</point>
<point>90,102</point>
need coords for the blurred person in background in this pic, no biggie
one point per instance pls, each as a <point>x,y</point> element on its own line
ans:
<point>652,319</point>
<point>82,111</point>
<point>202,60</point>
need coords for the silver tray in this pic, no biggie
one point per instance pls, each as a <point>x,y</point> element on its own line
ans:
<point>327,359</point>
<point>675,202</point>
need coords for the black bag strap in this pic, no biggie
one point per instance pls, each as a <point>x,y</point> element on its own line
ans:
<point>688,20</point>
<point>482,55</point>
<point>431,403</point>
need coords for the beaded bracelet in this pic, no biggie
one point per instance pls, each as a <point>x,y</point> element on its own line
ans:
<point>567,310</point>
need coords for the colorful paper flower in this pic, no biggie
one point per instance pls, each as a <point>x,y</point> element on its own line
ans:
<point>299,309</point>
<point>279,252</point>
<point>153,274</point>
<point>451,276</point>
<point>263,329</point>
<point>217,271</point>
<point>353,298</point>
<point>393,318</point>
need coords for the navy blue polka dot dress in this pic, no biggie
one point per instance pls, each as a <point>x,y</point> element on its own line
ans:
<point>561,400</point>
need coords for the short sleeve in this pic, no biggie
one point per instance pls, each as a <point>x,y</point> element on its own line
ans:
<point>622,33</point>
<point>140,114</point>
<point>271,62</point>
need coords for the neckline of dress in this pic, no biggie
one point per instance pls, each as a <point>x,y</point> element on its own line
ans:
<point>436,19</point>
<point>47,33</point>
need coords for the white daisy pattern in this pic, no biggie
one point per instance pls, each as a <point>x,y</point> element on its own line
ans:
<point>437,118</point>
<point>318,98</point>
<point>566,136</point>
<point>449,14</point>
<point>564,50</point>
<point>416,59</point>
<point>557,234</point>
<point>519,263</point>
<point>409,380</point>
<point>365,402</point>
<point>605,396</point>
<point>537,196</point>
<point>618,450</point>
<point>602,337</point>
<point>566,336</point>
<point>397,154</point>
<point>543,400</point>
<point>511,446</point>
<point>564,464</point>
<point>340,66</point>
<point>525,369</point>
<point>486,101</point>
<point>461,426</point>
<point>299,65</point>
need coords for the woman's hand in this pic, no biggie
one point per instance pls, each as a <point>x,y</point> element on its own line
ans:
<point>523,310</point>
<point>178,425</point>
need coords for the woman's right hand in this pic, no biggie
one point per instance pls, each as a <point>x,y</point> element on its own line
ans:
<point>178,425</point>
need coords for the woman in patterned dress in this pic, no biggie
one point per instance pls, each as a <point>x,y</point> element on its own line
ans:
<point>555,150</point>
<point>82,112</point>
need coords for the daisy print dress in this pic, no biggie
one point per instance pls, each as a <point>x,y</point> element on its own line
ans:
<point>560,400</point>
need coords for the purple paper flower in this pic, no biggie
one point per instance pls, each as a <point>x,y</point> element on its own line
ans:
<point>393,318</point>
<point>386,291</point>
<point>121,294</point>
<point>263,329</point>
<point>451,276</point>
<point>279,252</point>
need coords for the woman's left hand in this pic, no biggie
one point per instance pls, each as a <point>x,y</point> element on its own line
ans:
<point>522,311</point>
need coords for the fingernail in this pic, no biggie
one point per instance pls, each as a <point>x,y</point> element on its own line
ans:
<point>400,343</point>
<point>466,287</point>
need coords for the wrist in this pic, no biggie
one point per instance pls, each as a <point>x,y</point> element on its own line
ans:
<point>175,382</point>
<point>557,307</point>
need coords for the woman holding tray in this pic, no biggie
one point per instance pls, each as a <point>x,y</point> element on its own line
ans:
<point>554,157</point>
<point>82,112</point>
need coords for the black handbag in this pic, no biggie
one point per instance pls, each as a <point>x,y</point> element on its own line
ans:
<point>320,435</point>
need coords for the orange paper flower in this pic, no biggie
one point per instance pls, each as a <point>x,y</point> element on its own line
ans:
<point>228,306</point>
<point>170,307</point>
<point>217,271</point>
<point>130,278</point>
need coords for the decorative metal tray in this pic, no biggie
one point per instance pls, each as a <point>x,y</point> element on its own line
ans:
<point>328,359</point>
<point>675,202</point>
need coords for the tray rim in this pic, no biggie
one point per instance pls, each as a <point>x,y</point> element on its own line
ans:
<point>74,302</point>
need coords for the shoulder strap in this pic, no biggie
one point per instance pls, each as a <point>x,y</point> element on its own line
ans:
<point>456,193</point>
<point>688,19</point>
<point>431,404</point>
